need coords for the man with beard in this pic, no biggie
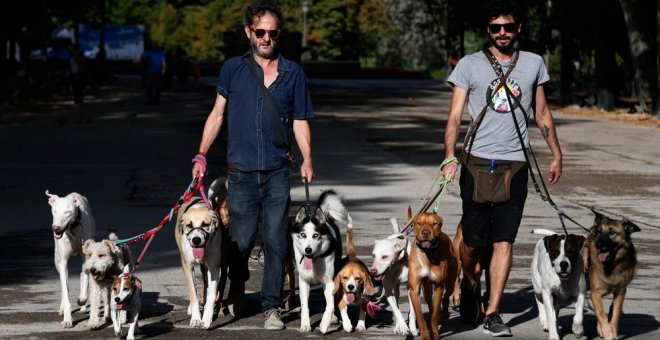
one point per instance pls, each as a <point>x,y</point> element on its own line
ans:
<point>258,152</point>
<point>490,228</point>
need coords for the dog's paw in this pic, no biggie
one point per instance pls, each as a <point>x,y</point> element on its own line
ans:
<point>305,328</point>
<point>206,324</point>
<point>94,323</point>
<point>67,323</point>
<point>347,327</point>
<point>334,320</point>
<point>414,331</point>
<point>401,329</point>
<point>118,334</point>
<point>578,330</point>
<point>195,323</point>
<point>360,327</point>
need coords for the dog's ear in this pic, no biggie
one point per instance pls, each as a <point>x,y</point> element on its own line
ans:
<point>630,227</point>
<point>409,213</point>
<point>548,240</point>
<point>599,218</point>
<point>320,216</point>
<point>86,246</point>
<point>51,198</point>
<point>127,269</point>
<point>300,215</point>
<point>368,284</point>
<point>110,245</point>
<point>337,283</point>
<point>76,201</point>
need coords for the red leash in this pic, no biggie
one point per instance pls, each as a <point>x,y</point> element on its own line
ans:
<point>197,184</point>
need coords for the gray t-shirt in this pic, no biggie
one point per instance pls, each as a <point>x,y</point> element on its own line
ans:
<point>496,137</point>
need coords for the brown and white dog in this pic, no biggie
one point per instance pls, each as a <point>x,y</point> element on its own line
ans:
<point>103,260</point>
<point>558,277</point>
<point>199,241</point>
<point>612,263</point>
<point>125,297</point>
<point>352,284</point>
<point>432,263</point>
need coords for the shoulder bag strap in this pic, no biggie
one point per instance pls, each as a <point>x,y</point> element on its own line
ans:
<point>272,105</point>
<point>472,129</point>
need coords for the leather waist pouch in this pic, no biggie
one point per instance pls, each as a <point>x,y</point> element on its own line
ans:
<point>492,178</point>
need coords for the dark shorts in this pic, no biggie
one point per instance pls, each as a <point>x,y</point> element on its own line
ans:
<point>485,223</point>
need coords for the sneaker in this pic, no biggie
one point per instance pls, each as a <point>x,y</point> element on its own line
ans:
<point>470,301</point>
<point>273,320</point>
<point>494,326</point>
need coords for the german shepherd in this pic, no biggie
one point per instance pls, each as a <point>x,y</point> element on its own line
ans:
<point>611,264</point>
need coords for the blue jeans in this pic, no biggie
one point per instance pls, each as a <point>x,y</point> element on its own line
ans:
<point>254,195</point>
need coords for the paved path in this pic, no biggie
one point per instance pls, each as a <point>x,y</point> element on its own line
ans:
<point>378,143</point>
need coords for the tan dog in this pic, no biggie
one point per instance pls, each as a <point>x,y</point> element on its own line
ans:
<point>352,282</point>
<point>200,243</point>
<point>456,244</point>
<point>432,262</point>
<point>610,257</point>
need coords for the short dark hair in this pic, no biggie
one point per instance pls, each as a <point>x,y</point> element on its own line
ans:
<point>260,8</point>
<point>498,8</point>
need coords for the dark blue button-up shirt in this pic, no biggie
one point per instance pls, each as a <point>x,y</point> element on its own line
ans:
<point>253,141</point>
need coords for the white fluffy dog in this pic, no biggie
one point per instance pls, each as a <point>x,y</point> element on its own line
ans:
<point>558,276</point>
<point>390,267</point>
<point>73,224</point>
<point>103,260</point>
<point>125,298</point>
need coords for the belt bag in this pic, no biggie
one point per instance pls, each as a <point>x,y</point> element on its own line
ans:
<point>492,178</point>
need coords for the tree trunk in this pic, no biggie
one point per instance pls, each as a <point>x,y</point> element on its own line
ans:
<point>642,23</point>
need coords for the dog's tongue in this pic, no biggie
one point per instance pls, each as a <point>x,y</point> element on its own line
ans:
<point>378,278</point>
<point>350,297</point>
<point>308,263</point>
<point>603,256</point>
<point>120,306</point>
<point>198,252</point>
<point>426,244</point>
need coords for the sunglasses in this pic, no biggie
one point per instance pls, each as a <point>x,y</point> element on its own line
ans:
<point>260,33</point>
<point>508,28</point>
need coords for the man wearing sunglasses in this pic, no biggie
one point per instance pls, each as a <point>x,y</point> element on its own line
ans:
<point>258,152</point>
<point>489,229</point>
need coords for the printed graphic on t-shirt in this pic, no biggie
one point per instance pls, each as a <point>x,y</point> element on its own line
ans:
<point>499,101</point>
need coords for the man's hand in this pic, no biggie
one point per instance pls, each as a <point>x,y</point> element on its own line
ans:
<point>199,165</point>
<point>554,172</point>
<point>306,171</point>
<point>449,168</point>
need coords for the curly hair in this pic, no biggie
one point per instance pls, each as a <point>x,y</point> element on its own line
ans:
<point>498,8</point>
<point>260,8</point>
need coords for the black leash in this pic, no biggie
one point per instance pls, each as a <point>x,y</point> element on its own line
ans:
<point>545,195</point>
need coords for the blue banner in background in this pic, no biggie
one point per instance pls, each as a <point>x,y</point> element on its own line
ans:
<point>122,42</point>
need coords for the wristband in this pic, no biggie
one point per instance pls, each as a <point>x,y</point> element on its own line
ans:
<point>201,160</point>
<point>449,160</point>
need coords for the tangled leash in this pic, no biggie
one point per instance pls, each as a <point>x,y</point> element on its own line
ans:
<point>197,184</point>
<point>435,197</point>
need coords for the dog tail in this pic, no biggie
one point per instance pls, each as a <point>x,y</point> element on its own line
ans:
<point>333,207</point>
<point>350,247</point>
<point>395,225</point>
<point>542,231</point>
<point>112,234</point>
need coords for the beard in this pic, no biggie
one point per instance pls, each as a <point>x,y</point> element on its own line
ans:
<point>503,44</point>
<point>270,53</point>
